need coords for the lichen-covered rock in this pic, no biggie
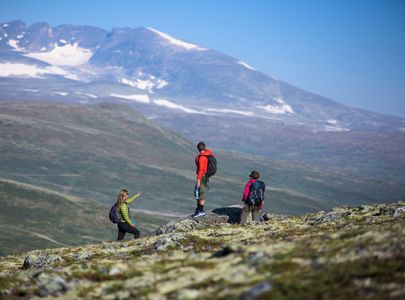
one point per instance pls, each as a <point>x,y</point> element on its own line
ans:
<point>257,290</point>
<point>39,261</point>
<point>82,255</point>
<point>168,241</point>
<point>189,223</point>
<point>51,285</point>
<point>324,217</point>
<point>274,217</point>
<point>399,212</point>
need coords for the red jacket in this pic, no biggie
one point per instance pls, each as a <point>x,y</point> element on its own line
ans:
<point>201,162</point>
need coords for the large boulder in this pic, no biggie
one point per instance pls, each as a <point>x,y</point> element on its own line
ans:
<point>233,212</point>
<point>39,261</point>
<point>189,223</point>
<point>51,285</point>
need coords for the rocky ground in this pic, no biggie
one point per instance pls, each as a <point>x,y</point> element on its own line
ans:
<point>346,253</point>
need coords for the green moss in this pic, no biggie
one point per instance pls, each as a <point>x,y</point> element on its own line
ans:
<point>114,288</point>
<point>335,281</point>
<point>7,282</point>
<point>199,244</point>
<point>198,264</point>
<point>84,292</point>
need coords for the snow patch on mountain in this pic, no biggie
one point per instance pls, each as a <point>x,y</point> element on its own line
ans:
<point>91,95</point>
<point>87,95</point>
<point>335,128</point>
<point>25,70</point>
<point>283,108</point>
<point>332,121</point>
<point>14,44</point>
<point>161,83</point>
<point>246,65</point>
<point>232,111</point>
<point>64,94</point>
<point>176,42</point>
<point>138,83</point>
<point>5,25</point>
<point>136,97</point>
<point>171,105</point>
<point>66,55</point>
<point>145,84</point>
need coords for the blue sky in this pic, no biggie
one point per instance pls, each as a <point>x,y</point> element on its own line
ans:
<point>350,51</point>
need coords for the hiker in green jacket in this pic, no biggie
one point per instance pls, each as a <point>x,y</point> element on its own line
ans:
<point>126,225</point>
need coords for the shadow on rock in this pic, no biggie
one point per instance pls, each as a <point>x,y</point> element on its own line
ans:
<point>233,212</point>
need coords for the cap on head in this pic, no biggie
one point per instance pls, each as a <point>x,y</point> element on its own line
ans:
<point>201,146</point>
<point>254,175</point>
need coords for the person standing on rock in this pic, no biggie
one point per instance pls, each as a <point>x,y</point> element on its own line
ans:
<point>206,167</point>
<point>125,225</point>
<point>253,197</point>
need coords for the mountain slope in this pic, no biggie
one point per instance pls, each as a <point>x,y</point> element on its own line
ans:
<point>33,217</point>
<point>349,252</point>
<point>53,151</point>
<point>189,88</point>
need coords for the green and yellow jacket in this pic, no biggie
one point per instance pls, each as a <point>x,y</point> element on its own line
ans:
<point>124,211</point>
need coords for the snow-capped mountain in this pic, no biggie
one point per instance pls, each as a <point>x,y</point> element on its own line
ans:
<point>189,88</point>
<point>151,67</point>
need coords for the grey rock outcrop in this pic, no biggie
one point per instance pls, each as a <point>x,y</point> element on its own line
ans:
<point>51,285</point>
<point>189,223</point>
<point>39,261</point>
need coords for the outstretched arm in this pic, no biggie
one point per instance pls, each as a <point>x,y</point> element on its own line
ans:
<point>129,200</point>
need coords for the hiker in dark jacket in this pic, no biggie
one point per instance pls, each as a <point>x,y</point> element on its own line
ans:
<point>126,225</point>
<point>250,207</point>
<point>201,162</point>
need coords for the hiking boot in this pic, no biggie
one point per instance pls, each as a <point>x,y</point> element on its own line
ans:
<point>198,214</point>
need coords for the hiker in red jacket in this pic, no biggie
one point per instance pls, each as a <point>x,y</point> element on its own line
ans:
<point>201,162</point>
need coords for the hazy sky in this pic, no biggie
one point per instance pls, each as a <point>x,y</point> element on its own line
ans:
<point>352,51</point>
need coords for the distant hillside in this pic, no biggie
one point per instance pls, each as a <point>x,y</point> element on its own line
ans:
<point>53,152</point>
<point>33,217</point>
<point>189,88</point>
<point>346,253</point>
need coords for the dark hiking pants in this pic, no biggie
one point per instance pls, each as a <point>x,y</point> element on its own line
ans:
<point>124,228</point>
<point>247,209</point>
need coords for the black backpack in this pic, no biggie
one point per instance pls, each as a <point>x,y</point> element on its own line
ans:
<point>256,193</point>
<point>212,166</point>
<point>114,215</point>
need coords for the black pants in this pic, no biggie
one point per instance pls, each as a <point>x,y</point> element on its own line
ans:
<point>124,228</point>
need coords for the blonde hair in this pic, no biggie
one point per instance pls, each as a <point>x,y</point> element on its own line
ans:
<point>120,199</point>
